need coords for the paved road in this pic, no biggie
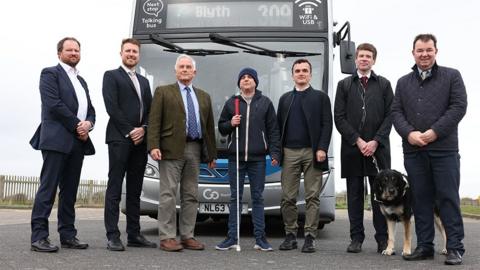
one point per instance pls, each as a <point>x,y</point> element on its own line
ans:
<point>15,249</point>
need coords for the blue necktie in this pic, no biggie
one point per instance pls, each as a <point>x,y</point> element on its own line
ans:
<point>192,118</point>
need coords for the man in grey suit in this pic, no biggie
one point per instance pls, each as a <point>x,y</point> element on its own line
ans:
<point>181,135</point>
<point>127,99</point>
<point>63,137</point>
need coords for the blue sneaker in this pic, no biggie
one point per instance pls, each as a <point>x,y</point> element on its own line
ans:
<point>262,244</point>
<point>227,244</point>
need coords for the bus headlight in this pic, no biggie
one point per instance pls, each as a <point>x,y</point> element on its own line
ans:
<point>151,171</point>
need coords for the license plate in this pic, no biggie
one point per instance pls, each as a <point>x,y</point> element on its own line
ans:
<point>219,208</point>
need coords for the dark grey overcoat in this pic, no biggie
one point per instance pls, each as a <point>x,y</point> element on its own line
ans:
<point>371,123</point>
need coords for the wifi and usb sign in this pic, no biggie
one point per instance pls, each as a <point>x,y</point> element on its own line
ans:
<point>310,13</point>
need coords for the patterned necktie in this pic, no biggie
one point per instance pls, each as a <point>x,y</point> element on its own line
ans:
<point>424,74</point>
<point>364,81</point>
<point>134,78</point>
<point>192,118</point>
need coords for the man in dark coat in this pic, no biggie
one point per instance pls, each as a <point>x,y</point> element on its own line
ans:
<point>63,137</point>
<point>429,103</point>
<point>305,122</point>
<point>362,116</point>
<point>258,136</point>
<point>127,98</point>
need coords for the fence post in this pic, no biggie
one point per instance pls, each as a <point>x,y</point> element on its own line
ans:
<point>90,192</point>
<point>2,185</point>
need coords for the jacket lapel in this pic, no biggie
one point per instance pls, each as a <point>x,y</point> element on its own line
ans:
<point>178,97</point>
<point>62,75</point>
<point>126,76</point>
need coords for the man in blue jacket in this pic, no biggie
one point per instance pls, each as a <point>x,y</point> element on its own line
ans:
<point>429,104</point>
<point>258,137</point>
<point>63,137</point>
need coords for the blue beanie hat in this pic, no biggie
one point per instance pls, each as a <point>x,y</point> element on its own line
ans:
<point>249,71</point>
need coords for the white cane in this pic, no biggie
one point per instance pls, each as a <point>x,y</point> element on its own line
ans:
<point>237,112</point>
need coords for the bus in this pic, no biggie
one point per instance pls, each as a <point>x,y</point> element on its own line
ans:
<point>223,37</point>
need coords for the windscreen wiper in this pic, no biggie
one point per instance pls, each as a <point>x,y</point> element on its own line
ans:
<point>249,48</point>
<point>171,47</point>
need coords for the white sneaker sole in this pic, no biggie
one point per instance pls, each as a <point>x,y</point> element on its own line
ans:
<point>227,248</point>
<point>257,247</point>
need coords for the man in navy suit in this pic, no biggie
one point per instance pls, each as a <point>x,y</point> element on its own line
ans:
<point>63,137</point>
<point>127,99</point>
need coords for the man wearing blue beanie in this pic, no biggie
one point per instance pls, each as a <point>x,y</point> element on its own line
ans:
<point>260,139</point>
<point>250,71</point>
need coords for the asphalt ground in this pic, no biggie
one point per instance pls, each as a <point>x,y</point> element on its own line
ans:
<point>331,244</point>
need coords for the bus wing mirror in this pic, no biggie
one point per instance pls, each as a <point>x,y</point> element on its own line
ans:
<point>347,56</point>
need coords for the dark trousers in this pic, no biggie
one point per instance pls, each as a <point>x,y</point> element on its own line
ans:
<point>61,171</point>
<point>256,177</point>
<point>434,178</point>
<point>130,160</point>
<point>355,200</point>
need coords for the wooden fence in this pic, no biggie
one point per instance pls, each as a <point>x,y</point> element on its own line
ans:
<point>22,189</point>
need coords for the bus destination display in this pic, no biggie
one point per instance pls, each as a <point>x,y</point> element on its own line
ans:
<point>154,16</point>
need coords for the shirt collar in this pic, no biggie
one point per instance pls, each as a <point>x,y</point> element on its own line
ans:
<point>182,86</point>
<point>360,75</point>
<point>69,69</point>
<point>127,69</point>
<point>420,70</point>
<point>301,89</point>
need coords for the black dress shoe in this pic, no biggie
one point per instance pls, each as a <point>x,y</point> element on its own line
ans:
<point>115,244</point>
<point>43,245</point>
<point>453,258</point>
<point>289,243</point>
<point>354,247</point>
<point>309,245</point>
<point>381,246</point>
<point>74,243</point>
<point>419,254</point>
<point>140,241</point>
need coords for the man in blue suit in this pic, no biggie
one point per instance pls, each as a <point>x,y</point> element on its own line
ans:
<point>127,99</point>
<point>63,137</point>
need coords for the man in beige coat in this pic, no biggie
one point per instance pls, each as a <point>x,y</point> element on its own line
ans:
<point>181,135</point>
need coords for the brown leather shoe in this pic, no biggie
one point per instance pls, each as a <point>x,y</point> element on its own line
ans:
<point>192,243</point>
<point>170,244</point>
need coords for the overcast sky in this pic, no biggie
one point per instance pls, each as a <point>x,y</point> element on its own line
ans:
<point>31,29</point>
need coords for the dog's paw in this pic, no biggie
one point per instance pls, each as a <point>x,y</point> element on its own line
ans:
<point>406,252</point>
<point>388,252</point>
<point>443,251</point>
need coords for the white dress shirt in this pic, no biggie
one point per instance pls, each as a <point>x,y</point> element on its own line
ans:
<point>79,91</point>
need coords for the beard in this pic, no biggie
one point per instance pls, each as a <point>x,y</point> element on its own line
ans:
<point>71,61</point>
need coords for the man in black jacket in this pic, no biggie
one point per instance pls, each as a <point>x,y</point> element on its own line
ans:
<point>362,116</point>
<point>429,104</point>
<point>258,137</point>
<point>305,121</point>
<point>127,99</point>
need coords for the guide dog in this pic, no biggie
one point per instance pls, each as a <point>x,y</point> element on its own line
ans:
<point>392,192</point>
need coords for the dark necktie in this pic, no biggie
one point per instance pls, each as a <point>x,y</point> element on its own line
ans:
<point>364,81</point>
<point>192,118</point>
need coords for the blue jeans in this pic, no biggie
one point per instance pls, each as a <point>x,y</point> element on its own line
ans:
<point>434,178</point>
<point>256,176</point>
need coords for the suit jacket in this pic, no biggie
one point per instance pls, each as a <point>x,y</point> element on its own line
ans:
<point>122,104</point>
<point>57,131</point>
<point>167,123</point>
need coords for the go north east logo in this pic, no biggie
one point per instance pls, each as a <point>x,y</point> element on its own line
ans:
<point>308,7</point>
<point>153,7</point>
